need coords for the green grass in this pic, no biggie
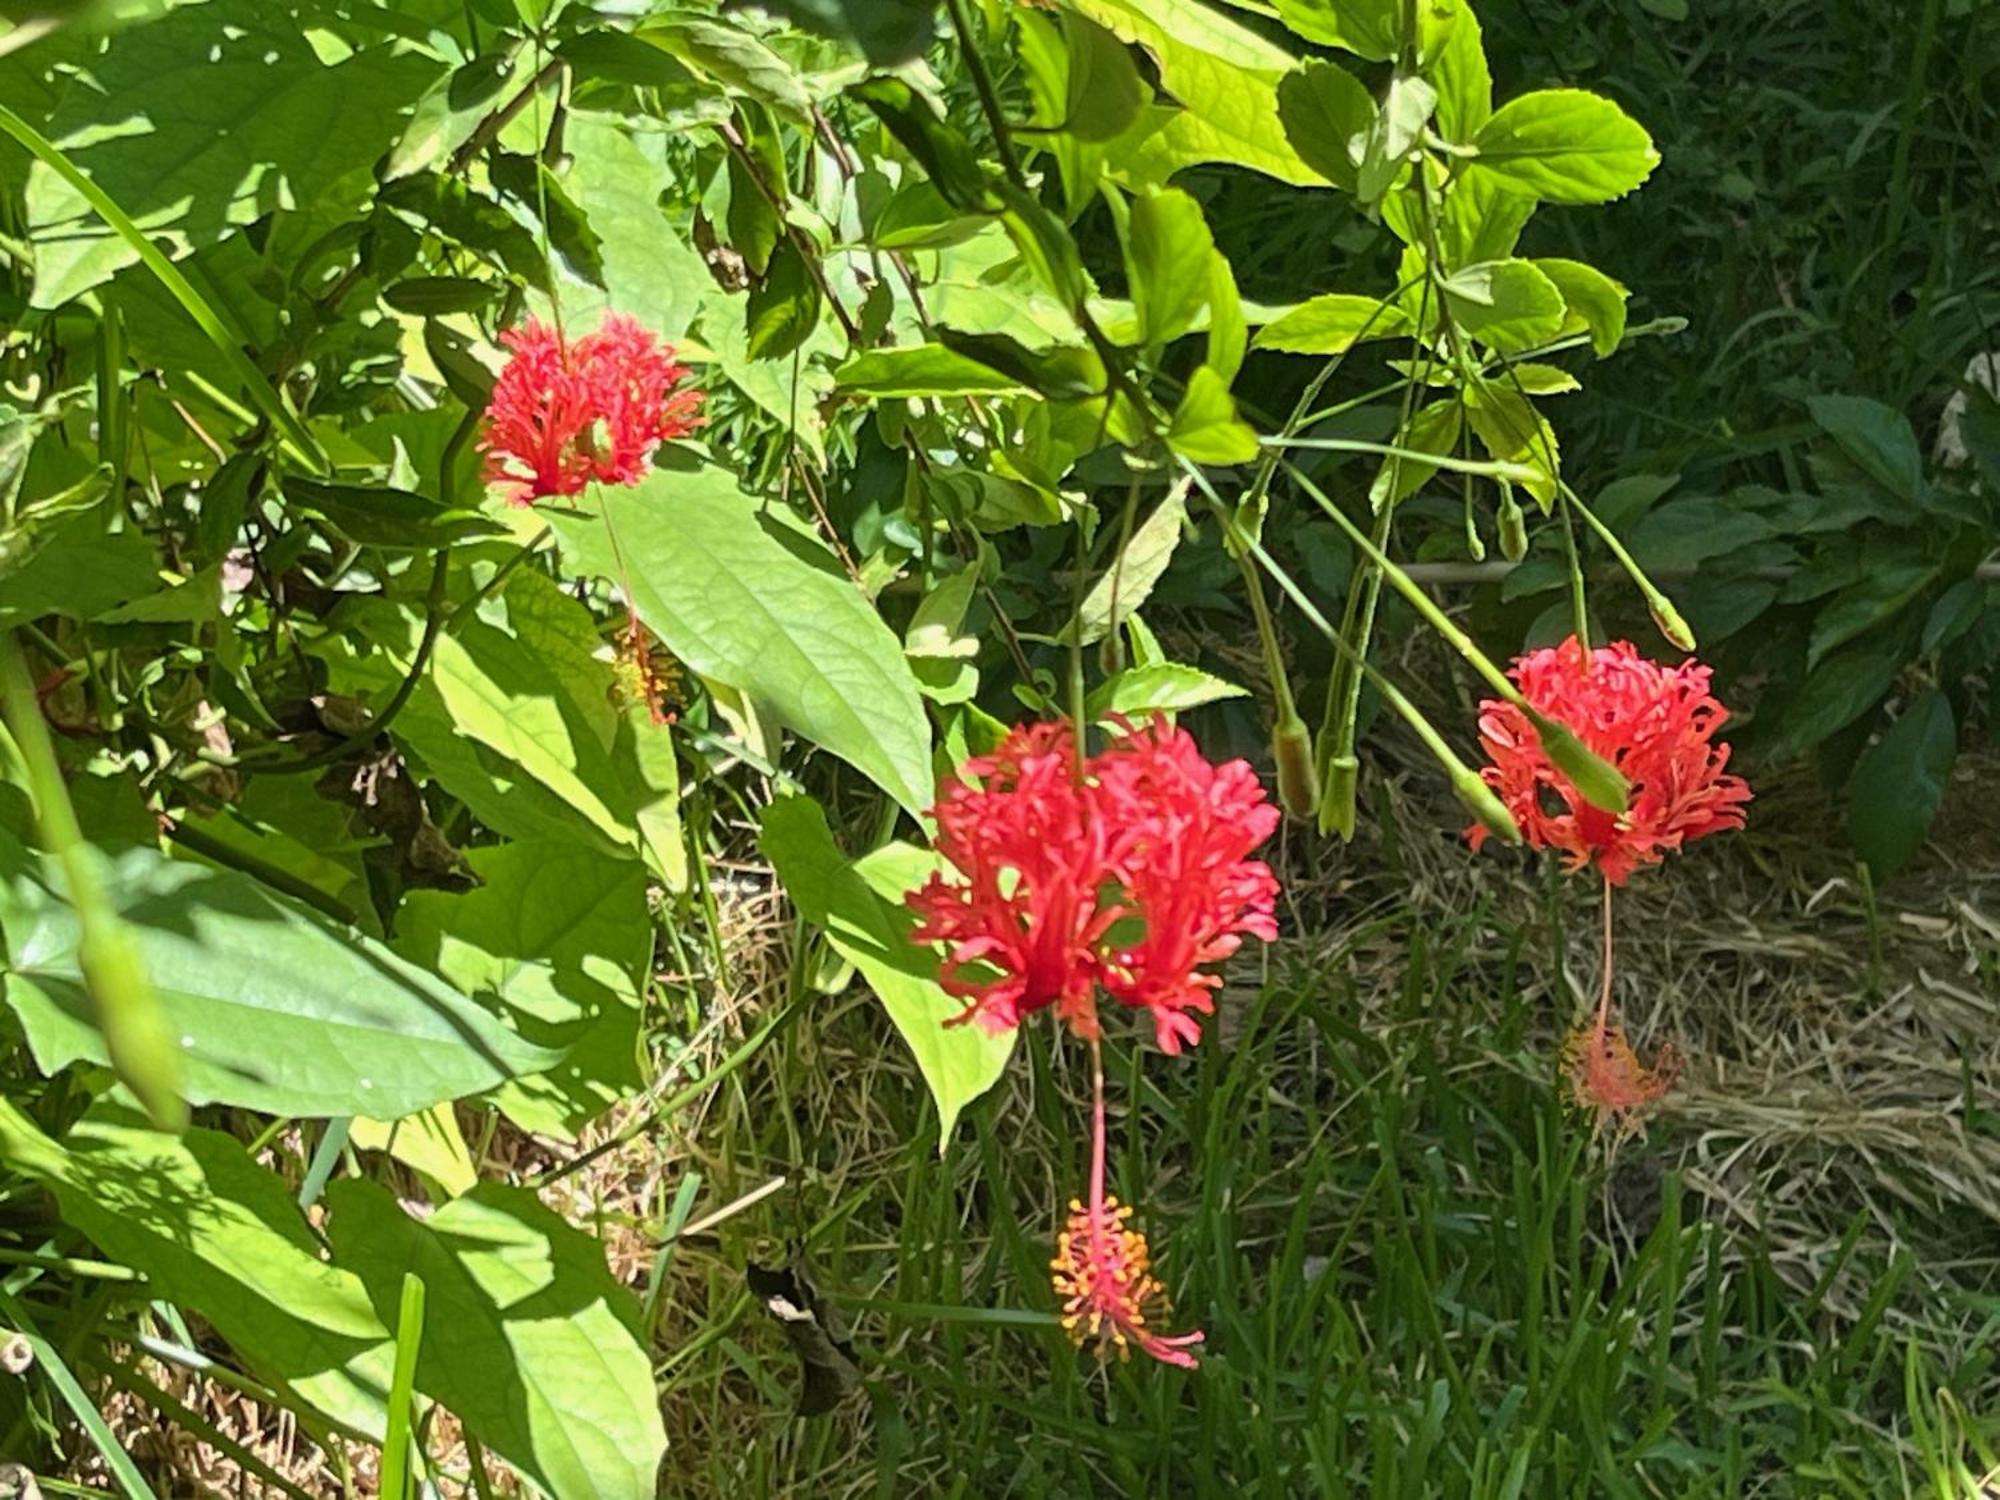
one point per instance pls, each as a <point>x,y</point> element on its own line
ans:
<point>1417,1275</point>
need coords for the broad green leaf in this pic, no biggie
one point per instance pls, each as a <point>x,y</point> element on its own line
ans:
<point>207,119</point>
<point>867,924</point>
<point>1508,305</point>
<point>1205,427</point>
<point>1228,323</point>
<point>216,1234</point>
<point>1128,582</point>
<point>283,823</point>
<point>1879,595</point>
<point>1332,324</point>
<point>1166,687</point>
<point>528,1339</point>
<point>558,941</point>
<point>1481,220</point>
<point>748,601</point>
<point>1876,437</point>
<point>1512,430</point>
<point>1594,302</point>
<point>1223,74</point>
<point>275,1007</point>
<point>1434,430</point>
<point>922,370</point>
<point>520,716</point>
<point>888,32</point>
<point>1326,111</point>
<point>428,1142</point>
<point>1373,29</point>
<point>1464,83</point>
<point>1391,135</point>
<point>734,58</point>
<point>648,270</point>
<point>1848,684</point>
<point>784,307</point>
<point>378,516</point>
<point>1168,250</point>
<point>1900,784</point>
<point>1564,146</point>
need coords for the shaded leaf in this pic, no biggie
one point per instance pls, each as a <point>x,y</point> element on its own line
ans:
<point>865,921</point>
<point>742,607</point>
<point>1900,784</point>
<point>276,1008</point>
<point>527,1338</point>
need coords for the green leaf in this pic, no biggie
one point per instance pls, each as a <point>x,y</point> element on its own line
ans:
<point>888,32</point>
<point>207,119</point>
<point>1508,305</point>
<point>1225,77</point>
<point>1464,83</point>
<point>865,921</point>
<point>75,566</point>
<point>1900,784</point>
<point>378,516</point>
<point>1391,135</point>
<point>1879,595</point>
<point>1848,684</point>
<point>275,1007</point>
<point>751,603</point>
<point>1206,429</point>
<point>218,1235</point>
<point>784,307</point>
<point>1166,687</point>
<point>556,939</point>
<point>1373,29</point>
<point>1325,110</point>
<point>923,370</point>
<point>1168,250</point>
<point>529,1340</point>
<point>1129,581</point>
<point>519,717</point>
<point>648,269</point>
<point>1564,146</point>
<point>733,58</point>
<point>1593,301</point>
<point>1434,430</point>
<point>1876,437</point>
<point>1331,324</point>
<point>1512,430</point>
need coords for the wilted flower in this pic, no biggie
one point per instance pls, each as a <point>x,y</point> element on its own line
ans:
<point>1606,1076</point>
<point>1655,723</point>
<point>1129,875</point>
<point>565,412</point>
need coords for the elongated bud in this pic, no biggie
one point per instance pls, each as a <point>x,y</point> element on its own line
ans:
<point>1298,779</point>
<point>1668,620</point>
<point>1513,527</point>
<point>1111,652</point>
<point>1338,795</point>
<point>1475,545</point>
<point>136,1034</point>
<point>1591,774</point>
<point>1485,805</point>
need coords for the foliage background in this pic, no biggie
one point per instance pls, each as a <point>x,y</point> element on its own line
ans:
<point>1419,1275</point>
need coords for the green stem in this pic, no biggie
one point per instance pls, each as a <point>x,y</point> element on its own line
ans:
<point>128,1011</point>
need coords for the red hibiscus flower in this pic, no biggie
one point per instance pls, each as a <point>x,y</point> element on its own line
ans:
<point>1128,877</point>
<point>1655,723</point>
<point>566,412</point>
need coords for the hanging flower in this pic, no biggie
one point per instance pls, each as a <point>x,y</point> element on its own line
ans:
<point>1103,1276</point>
<point>1127,877</point>
<point>566,412</point>
<point>1019,907</point>
<point>1655,723</point>
<point>1183,832</point>
<point>1607,1078</point>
